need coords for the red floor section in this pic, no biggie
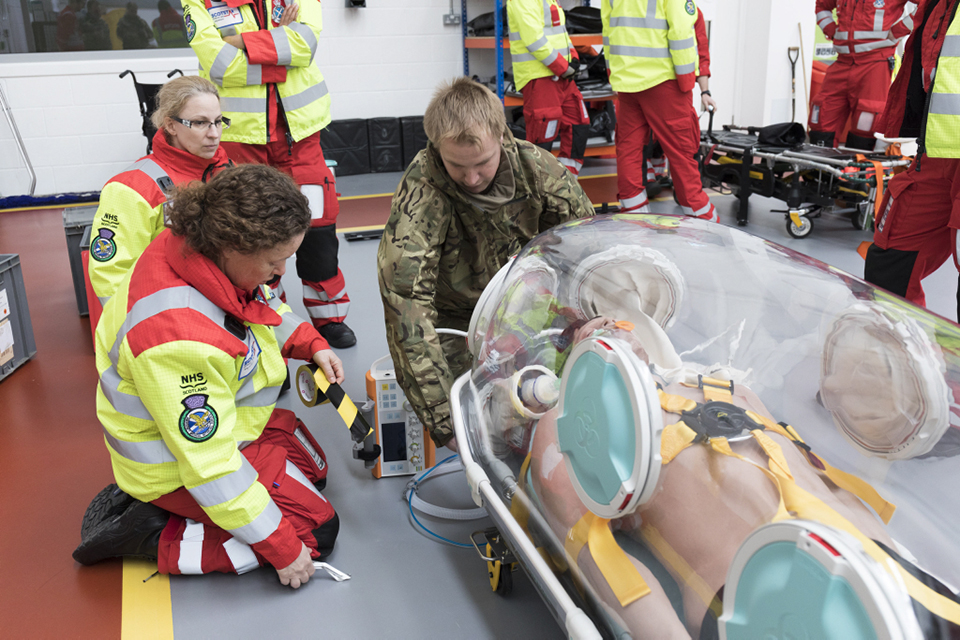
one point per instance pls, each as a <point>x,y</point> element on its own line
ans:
<point>51,453</point>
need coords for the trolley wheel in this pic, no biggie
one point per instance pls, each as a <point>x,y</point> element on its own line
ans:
<point>863,218</point>
<point>802,230</point>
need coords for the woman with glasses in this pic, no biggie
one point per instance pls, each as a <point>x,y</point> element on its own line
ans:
<point>186,148</point>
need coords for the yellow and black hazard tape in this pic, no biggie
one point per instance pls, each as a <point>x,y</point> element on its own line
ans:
<point>314,388</point>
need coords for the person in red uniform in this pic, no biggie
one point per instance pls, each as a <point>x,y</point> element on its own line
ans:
<point>652,56</point>
<point>913,235</point>
<point>864,37</point>
<point>657,163</point>
<point>262,55</point>
<point>211,475</point>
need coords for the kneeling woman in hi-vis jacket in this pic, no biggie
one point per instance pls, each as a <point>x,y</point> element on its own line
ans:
<point>211,476</point>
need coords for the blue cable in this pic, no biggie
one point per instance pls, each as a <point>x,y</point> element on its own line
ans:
<point>413,488</point>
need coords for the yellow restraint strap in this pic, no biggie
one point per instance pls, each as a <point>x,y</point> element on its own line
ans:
<point>842,479</point>
<point>517,509</point>
<point>653,538</point>
<point>615,565</point>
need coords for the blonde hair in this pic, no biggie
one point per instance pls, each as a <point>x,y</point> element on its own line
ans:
<point>174,95</point>
<point>463,110</point>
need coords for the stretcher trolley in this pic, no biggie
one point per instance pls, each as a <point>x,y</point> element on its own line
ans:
<point>683,430</point>
<point>811,180</point>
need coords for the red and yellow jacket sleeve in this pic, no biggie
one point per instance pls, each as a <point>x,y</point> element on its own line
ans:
<point>297,338</point>
<point>212,468</point>
<point>227,65</point>
<point>703,45</point>
<point>825,17</point>
<point>682,43</point>
<point>130,215</point>
<point>294,45</point>
<point>527,19</point>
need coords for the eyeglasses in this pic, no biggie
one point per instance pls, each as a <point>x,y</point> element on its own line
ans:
<point>204,125</point>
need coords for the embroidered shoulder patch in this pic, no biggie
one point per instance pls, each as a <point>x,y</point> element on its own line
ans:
<point>191,27</point>
<point>103,247</point>
<point>691,8</point>
<point>199,421</point>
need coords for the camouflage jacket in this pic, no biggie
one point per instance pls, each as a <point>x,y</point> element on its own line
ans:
<point>439,251</point>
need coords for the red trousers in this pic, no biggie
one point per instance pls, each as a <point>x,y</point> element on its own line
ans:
<point>324,289</point>
<point>915,227</point>
<point>668,113</point>
<point>552,105</point>
<point>192,544</point>
<point>858,88</point>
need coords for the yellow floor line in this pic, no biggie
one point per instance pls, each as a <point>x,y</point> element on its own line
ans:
<point>147,611</point>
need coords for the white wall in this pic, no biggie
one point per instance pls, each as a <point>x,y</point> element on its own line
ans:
<point>81,125</point>
<point>749,64</point>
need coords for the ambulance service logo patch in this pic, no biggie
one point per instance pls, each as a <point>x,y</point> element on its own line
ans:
<point>691,8</point>
<point>103,246</point>
<point>191,27</point>
<point>878,4</point>
<point>199,421</point>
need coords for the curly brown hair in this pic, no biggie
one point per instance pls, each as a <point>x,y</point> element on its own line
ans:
<point>248,209</point>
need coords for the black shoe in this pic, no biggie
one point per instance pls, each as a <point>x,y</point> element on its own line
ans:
<point>338,334</point>
<point>111,501</point>
<point>326,536</point>
<point>134,532</point>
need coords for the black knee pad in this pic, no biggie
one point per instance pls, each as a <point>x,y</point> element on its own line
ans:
<point>889,268</point>
<point>546,146</point>
<point>326,535</point>
<point>580,134</point>
<point>864,143</point>
<point>821,138</point>
<point>317,256</point>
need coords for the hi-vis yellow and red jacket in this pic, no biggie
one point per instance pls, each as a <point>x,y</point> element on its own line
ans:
<point>647,42</point>
<point>130,214</point>
<point>282,56</point>
<point>190,371</point>
<point>539,44</point>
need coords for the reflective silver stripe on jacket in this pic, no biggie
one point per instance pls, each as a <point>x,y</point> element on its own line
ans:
<point>254,74</point>
<point>152,169</point>
<point>870,46</point>
<point>945,104</point>
<point>289,323</point>
<point>103,300</point>
<point>908,21</point>
<point>684,69</point>
<point>302,99</point>
<point>261,528</point>
<point>282,44</point>
<point>149,452</point>
<point>222,62</point>
<point>225,488</point>
<point>951,47</point>
<point>681,44</point>
<point>637,52</point>
<point>128,405</point>
<point>639,23</point>
<point>878,20</point>
<point>242,105</point>
<point>307,34</point>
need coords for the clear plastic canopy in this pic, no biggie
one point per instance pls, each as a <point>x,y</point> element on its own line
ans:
<point>599,320</point>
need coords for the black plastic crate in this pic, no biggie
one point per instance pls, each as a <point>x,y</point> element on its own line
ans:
<point>386,146</point>
<point>17,344</point>
<point>347,142</point>
<point>76,221</point>
<point>414,138</point>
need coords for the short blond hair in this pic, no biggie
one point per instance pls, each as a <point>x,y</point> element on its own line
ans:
<point>174,95</point>
<point>463,110</point>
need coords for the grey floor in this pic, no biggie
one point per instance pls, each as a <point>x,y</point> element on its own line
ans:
<point>405,584</point>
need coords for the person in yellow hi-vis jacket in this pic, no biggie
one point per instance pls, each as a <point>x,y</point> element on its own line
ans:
<point>544,63</point>
<point>186,147</point>
<point>262,55</point>
<point>211,476</point>
<point>651,52</point>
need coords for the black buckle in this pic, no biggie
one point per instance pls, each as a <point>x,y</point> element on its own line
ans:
<point>720,420</point>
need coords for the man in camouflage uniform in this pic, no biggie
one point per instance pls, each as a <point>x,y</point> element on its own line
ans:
<point>467,203</point>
